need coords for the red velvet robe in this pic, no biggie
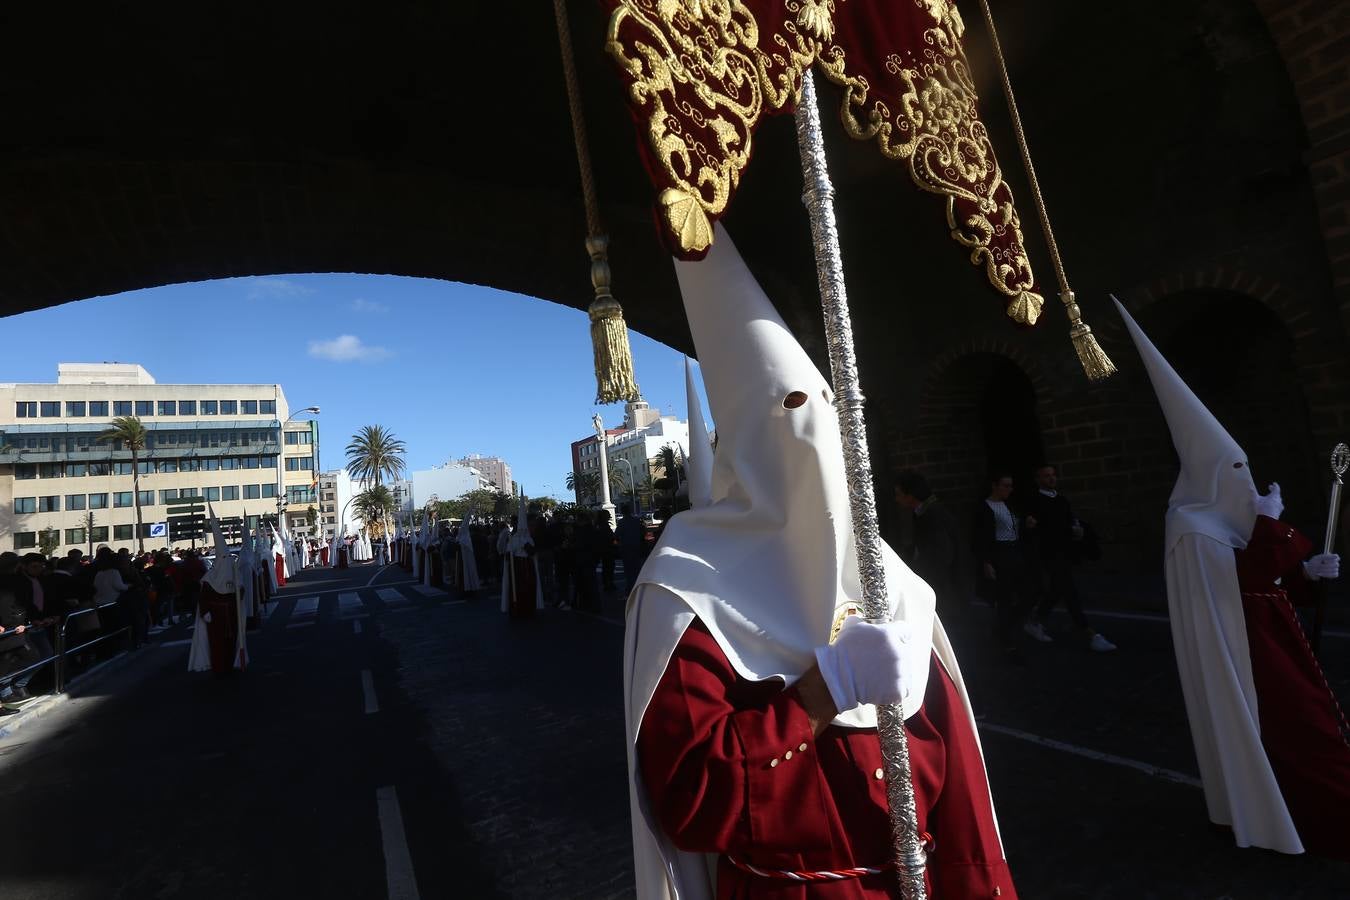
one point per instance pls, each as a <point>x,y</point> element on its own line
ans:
<point>522,592</point>
<point>731,767</point>
<point>222,632</point>
<point>1303,729</point>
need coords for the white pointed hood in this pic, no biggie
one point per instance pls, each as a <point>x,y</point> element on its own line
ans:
<point>248,553</point>
<point>698,467</point>
<point>465,535</point>
<point>1214,494</point>
<point>521,538</point>
<point>221,576</point>
<point>770,564</point>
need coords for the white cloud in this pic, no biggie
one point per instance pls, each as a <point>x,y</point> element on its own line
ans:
<point>362,305</point>
<point>347,348</point>
<point>276,289</point>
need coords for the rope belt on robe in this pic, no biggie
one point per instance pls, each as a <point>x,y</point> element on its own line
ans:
<point>822,874</point>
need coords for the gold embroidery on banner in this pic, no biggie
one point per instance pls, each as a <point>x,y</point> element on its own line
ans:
<point>698,73</point>
<point>699,62</point>
<point>937,131</point>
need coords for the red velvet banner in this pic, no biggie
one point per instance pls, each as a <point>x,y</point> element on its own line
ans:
<point>701,74</point>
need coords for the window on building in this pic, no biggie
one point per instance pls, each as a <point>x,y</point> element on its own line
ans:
<point>166,466</point>
<point>121,407</point>
<point>145,407</point>
<point>167,497</point>
<point>49,504</point>
<point>98,501</point>
<point>98,409</point>
<point>147,498</point>
<point>51,470</point>
<point>269,490</point>
<point>121,499</point>
<point>212,494</point>
<point>229,492</point>
<point>267,462</point>
<point>229,408</point>
<point>24,505</point>
<point>187,407</point>
<point>25,540</point>
<point>49,409</point>
<point>211,465</point>
<point>250,462</point>
<point>123,532</point>
<point>74,502</point>
<point>98,533</point>
<point>100,468</point>
<point>248,407</point>
<point>25,409</point>
<point>267,407</point>
<point>168,408</point>
<point>75,409</point>
<point>187,493</point>
<point>74,535</point>
<point>252,492</point>
<point>228,463</point>
<point>209,407</point>
<point>25,471</point>
<point>122,467</point>
<point>77,470</point>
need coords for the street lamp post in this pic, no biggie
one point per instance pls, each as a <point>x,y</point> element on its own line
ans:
<point>605,503</point>
<point>281,459</point>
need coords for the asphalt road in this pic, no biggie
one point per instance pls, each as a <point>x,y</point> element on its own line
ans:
<point>393,742</point>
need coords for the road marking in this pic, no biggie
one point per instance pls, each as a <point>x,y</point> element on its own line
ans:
<point>300,625</point>
<point>368,688</point>
<point>1097,755</point>
<point>269,613</point>
<point>306,606</point>
<point>398,868</point>
<point>389,595</point>
<point>349,604</point>
<point>182,643</point>
<point>427,591</point>
<point>379,570</point>
<point>356,626</point>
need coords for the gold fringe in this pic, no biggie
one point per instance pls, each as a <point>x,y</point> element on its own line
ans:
<point>614,377</point>
<point>1096,364</point>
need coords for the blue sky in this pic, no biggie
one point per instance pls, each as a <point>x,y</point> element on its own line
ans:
<point>451,368</point>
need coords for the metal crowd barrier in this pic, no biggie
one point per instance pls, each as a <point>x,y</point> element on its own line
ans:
<point>61,651</point>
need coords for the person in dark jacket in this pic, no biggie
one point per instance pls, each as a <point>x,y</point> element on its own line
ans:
<point>941,556</point>
<point>22,641</point>
<point>1051,531</point>
<point>998,553</point>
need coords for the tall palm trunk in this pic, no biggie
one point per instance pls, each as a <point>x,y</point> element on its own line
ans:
<point>136,498</point>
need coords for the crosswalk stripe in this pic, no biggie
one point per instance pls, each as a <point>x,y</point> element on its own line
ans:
<point>427,591</point>
<point>306,606</point>
<point>391,595</point>
<point>349,605</point>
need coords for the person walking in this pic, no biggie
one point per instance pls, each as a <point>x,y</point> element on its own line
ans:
<point>1053,537</point>
<point>941,556</point>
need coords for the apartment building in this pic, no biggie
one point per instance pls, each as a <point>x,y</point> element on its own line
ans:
<point>223,442</point>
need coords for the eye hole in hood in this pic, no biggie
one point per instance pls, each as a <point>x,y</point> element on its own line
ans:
<point>795,400</point>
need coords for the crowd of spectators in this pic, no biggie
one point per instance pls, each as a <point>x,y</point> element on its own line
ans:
<point>83,598</point>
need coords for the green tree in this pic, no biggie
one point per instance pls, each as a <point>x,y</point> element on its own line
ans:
<point>48,540</point>
<point>483,501</point>
<point>374,505</point>
<point>374,454</point>
<point>586,485</point>
<point>130,433</point>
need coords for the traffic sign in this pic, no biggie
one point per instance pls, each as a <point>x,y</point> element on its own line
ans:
<point>159,530</point>
<point>186,510</point>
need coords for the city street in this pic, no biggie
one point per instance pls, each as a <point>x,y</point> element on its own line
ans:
<point>390,740</point>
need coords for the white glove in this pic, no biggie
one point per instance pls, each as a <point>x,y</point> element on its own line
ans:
<point>1323,565</point>
<point>1270,504</point>
<point>865,663</point>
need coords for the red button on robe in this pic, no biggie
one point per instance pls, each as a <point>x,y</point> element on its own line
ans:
<point>707,749</point>
<point>1301,723</point>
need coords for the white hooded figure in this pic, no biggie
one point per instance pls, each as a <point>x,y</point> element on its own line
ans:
<point>333,546</point>
<point>698,465</point>
<point>1211,513</point>
<point>223,579</point>
<point>277,553</point>
<point>468,566</point>
<point>768,563</point>
<point>515,549</point>
<point>283,544</point>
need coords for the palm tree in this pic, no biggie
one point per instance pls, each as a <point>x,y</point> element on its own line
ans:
<point>373,454</point>
<point>129,431</point>
<point>584,484</point>
<point>374,504</point>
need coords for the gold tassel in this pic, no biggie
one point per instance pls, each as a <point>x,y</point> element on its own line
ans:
<point>614,378</point>
<point>1096,363</point>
